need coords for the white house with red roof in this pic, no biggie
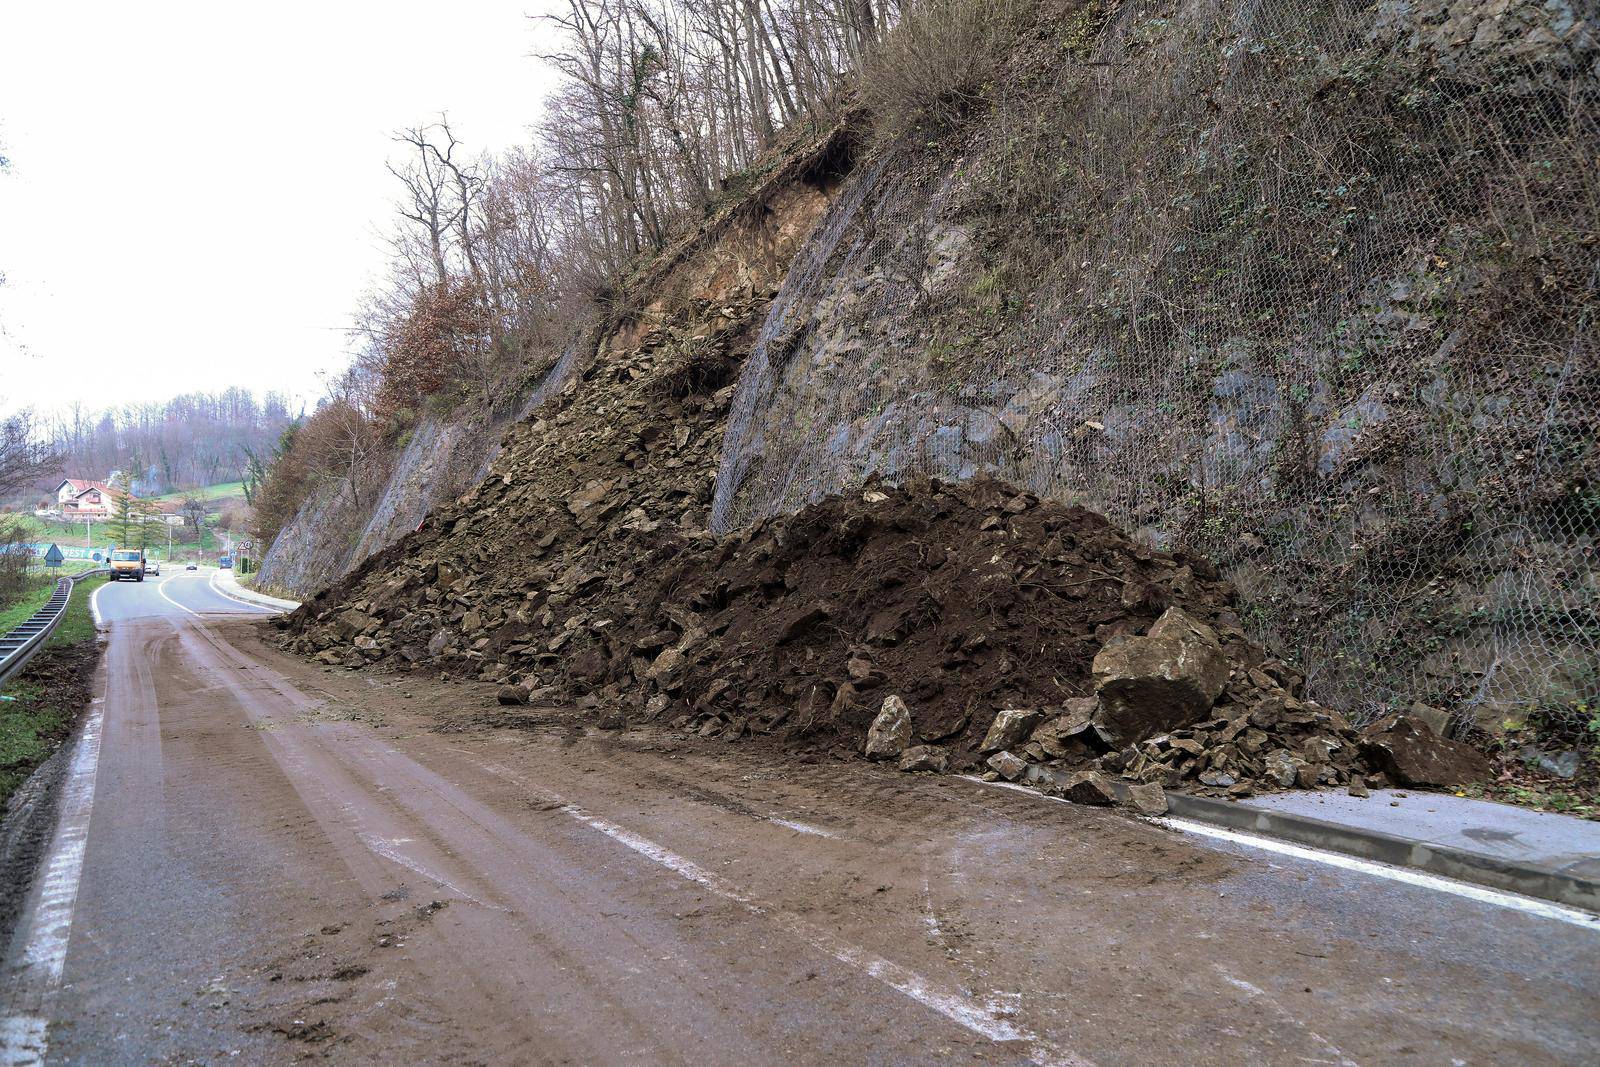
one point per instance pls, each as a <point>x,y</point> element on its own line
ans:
<point>79,497</point>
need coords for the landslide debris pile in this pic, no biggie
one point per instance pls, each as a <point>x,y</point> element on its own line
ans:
<point>939,624</point>
<point>960,599</point>
<point>493,585</point>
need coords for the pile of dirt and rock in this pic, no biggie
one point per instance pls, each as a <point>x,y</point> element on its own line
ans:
<point>947,626</point>
<point>943,625</point>
<point>494,585</point>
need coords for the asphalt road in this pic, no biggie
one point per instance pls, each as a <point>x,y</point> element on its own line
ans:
<point>261,861</point>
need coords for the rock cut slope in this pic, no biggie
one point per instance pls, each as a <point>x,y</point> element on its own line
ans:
<point>582,569</point>
<point>624,454</point>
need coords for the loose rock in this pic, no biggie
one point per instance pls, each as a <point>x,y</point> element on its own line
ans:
<point>1010,726</point>
<point>1167,679</point>
<point>1147,798</point>
<point>890,732</point>
<point>1007,766</point>
<point>1089,787</point>
<point>925,758</point>
<point>1407,751</point>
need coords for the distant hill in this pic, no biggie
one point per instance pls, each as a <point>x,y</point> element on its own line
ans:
<point>192,441</point>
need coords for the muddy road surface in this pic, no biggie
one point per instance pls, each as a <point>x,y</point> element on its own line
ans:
<point>261,861</point>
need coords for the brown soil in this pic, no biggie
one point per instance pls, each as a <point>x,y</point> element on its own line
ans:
<point>56,687</point>
<point>961,599</point>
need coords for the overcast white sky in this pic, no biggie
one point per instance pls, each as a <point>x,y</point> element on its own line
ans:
<point>197,190</point>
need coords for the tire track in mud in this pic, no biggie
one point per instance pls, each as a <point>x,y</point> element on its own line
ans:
<point>457,852</point>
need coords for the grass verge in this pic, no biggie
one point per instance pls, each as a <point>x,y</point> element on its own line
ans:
<point>39,708</point>
<point>33,598</point>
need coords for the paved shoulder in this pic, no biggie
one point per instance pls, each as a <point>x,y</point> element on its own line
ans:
<point>224,582</point>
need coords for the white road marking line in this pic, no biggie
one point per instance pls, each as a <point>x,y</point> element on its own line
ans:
<point>217,589</point>
<point>161,587</point>
<point>22,1040</point>
<point>800,827</point>
<point>390,851</point>
<point>1257,993</point>
<point>952,1003</point>
<point>48,928</point>
<point>930,918</point>
<point>94,606</point>
<point>1544,909</point>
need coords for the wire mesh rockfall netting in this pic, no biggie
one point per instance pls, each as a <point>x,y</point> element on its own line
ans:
<point>1311,288</point>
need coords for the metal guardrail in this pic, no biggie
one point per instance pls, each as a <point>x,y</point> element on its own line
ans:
<point>18,646</point>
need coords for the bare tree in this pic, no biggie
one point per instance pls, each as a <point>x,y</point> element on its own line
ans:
<point>426,177</point>
<point>193,510</point>
<point>661,104</point>
<point>23,458</point>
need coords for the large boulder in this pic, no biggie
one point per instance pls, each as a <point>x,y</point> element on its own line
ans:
<point>1163,681</point>
<point>1410,753</point>
<point>890,732</point>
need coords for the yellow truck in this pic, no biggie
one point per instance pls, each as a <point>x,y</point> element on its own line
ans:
<point>127,563</point>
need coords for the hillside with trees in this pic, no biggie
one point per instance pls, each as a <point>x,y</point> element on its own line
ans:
<point>667,114</point>
<point>1309,292</point>
<point>193,440</point>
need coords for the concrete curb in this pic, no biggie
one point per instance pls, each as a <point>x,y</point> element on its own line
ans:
<point>1441,860</point>
<point>231,587</point>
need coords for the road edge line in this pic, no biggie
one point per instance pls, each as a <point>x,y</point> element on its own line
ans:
<point>251,598</point>
<point>45,931</point>
<point>94,606</point>
<point>1444,861</point>
<point>1530,905</point>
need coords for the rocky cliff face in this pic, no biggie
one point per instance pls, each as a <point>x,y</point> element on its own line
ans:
<point>441,458</point>
<point>1276,283</point>
<point>707,284</point>
<point>620,439</point>
<point>1306,289</point>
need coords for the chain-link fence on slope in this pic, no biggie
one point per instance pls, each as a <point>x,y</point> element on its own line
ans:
<point>1309,288</point>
